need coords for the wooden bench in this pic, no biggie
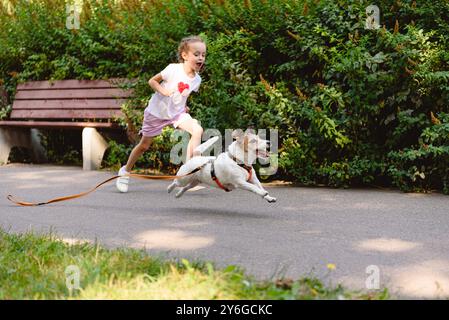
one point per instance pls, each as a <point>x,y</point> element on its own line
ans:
<point>67,104</point>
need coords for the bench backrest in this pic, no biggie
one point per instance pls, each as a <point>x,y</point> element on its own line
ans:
<point>69,99</point>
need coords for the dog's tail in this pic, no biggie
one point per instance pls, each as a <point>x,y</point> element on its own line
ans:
<point>206,145</point>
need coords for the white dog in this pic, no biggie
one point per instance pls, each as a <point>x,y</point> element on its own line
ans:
<point>229,170</point>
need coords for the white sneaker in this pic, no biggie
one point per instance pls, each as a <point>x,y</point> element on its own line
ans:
<point>122,182</point>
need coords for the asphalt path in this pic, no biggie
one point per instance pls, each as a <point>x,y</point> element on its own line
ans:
<point>374,238</point>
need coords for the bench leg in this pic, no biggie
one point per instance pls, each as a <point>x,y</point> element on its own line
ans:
<point>38,150</point>
<point>21,137</point>
<point>6,143</point>
<point>94,146</point>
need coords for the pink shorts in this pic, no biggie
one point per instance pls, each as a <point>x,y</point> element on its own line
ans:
<point>152,125</point>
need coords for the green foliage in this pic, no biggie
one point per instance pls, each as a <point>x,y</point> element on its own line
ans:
<point>425,165</point>
<point>5,111</point>
<point>351,105</point>
<point>5,108</point>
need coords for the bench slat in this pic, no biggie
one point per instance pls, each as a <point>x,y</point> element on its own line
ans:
<point>71,84</point>
<point>57,104</point>
<point>72,94</point>
<point>54,124</point>
<point>66,114</point>
<point>68,104</point>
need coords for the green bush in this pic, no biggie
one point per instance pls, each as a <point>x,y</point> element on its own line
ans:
<point>425,164</point>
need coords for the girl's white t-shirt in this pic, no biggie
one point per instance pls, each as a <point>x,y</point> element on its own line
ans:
<point>174,78</point>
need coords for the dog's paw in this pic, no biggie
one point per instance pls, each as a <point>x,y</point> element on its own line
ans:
<point>179,194</point>
<point>270,199</point>
<point>171,187</point>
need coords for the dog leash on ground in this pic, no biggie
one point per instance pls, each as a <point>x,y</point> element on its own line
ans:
<point>82,194</point>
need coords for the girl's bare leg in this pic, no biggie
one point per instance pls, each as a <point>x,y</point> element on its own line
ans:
<point>196,131</point>
<point>138,150</point>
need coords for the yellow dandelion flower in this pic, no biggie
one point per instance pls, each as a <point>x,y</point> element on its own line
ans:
<point>331,266</point>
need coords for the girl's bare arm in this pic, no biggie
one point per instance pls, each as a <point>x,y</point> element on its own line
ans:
<point>154,83</point>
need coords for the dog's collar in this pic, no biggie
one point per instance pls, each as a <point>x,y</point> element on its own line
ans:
<point>214,177</point>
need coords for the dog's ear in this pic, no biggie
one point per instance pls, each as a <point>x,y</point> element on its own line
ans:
<point>250,131</point>
<point>238,134</point>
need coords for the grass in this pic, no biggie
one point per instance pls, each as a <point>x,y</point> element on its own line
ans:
<point>34,267</point>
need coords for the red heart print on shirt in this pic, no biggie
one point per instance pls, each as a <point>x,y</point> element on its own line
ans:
<point>182,86</point>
